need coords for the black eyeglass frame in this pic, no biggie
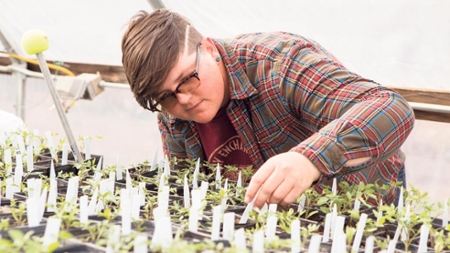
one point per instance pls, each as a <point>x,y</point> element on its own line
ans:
<point>154,107</point>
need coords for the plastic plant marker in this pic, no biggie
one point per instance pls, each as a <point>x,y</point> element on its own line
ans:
<point>404,231</point>
<point>126,216</point>
<point>113,238</point>
<point>380,213</point>
<point>72,190</point>
<point>124,195</point>
<point>203,189</point>
<point>258,242</point>
<point>37,186</point>
<point>334,187</point>
<point>271,226</point>
<point>445,214</point>
<point>359,232</point>
<point>35,141</point>
<point>41,203</point>
<point>369,245</point>
<point>163,196</point>
<point>140,243</point>
<point>245,215</point>
<point>339,243</point>
<point>218,177</point>
<point>50,144</point>
<point>193,219</point>
<point>223,202</point>
<point>51,231</point>
<point>7,157</point>
<point>134,191</point>
<point>273,209</point>
<point>197,201</point>
<point>52,195</point>
<point>228,226</point>
<point>239,181</point>
<point>338,227</point>
<point>65,154</point>
<point>154,160</point>
<point>87,148</point>
<point>18,172</point>
<point>393,242</point>
<point>327,227</point>
<point>52,171</point>
<point>333,220</point>
<point>112,176</point>
<point>400,201</point>
<point>84,209</point>
<point>127,179</point>
<point>135,207</point>
<point>357,205</point>
<point>314,243</point>
<point>295,236</point>
<point>301,204</point>
<point>239,239</point>
<point>186,197</point>
<point>9,188</point>
<point>141,193</point>
<point>424,232</point>
<point>162,182</point>
<point>166,166</point>
<point>32,217</point>
<point>225,185</point>
<point>163,232</point>
<point>93,203</point>
<point>195,176</point>
<point>119,172</point>
<point>215,229</point>
<point>264,208</point>
<point>30,161</point>
<point>30,187</point>
<point>20,143</point>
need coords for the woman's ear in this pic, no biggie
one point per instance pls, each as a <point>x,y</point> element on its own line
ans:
<point>209,46</point>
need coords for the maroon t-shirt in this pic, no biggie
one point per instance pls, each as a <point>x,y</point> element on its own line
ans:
<point>222,144</point>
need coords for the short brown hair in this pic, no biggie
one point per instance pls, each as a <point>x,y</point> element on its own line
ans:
<point>151,46</point>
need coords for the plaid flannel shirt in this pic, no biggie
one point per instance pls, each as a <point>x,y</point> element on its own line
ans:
<point>287,93</point>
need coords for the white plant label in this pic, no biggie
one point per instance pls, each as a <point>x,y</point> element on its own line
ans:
<point>203,189</point>
<point>400,201</point>
<point>228,226</point>
<point>245,215</point>
<point>18,172</point>
<point>9,194</point>
<point>193,219</point>
<point>87,148</point>
<point>359,232</point>
<point>215,230</point>
<point>126,216</point>
<point>271,227</point>
<point>163,230</point>
<point>32,212</point>
<point>30,187</point>
<point>218,177</point>
<point>301,204</point>
<point>424,232</point>
<point>186,196</point>
<point>128,181</point>
<point>334,187</point>
<point>197,202</point>
<point>65,154</point>
<point>135,207</point>
<point>52,230</point>
<point>239,239</point>
<point>370,241</point>
<point>72,190</point>
<point>258,242</point>
<point>295,236</point>
<point>155,160</point>
<point>52,171</point>
<point>53,193</point>
<point>41,203</point>
<point>338,227</point>
<point>140,243</point>
<point>30,160</point>
<point>195,176</point>
<point>357,205</point>
<point>7,157</point>
<point>314,243</point>
<point>20,143</point>
<point>327,228</point>
<point>239,181</point>
<point>141,193</point>
<point>50,144</point>
<point>166,166</point>
<point>84,212</point>
<point>93,203</point>
<point>119,173</point>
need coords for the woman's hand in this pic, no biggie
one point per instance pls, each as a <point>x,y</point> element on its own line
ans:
<point>281,180</point>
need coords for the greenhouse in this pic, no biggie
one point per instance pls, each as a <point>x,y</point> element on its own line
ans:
<point>85,168</point>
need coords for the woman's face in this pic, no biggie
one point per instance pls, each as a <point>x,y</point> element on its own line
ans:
<point>202,104</point>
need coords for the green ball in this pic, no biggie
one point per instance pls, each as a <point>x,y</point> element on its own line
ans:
<point>34,41</point>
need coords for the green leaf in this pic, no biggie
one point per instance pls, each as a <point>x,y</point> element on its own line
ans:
<point>15,234</point>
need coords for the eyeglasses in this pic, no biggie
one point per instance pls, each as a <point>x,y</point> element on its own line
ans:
<point>187,86</point>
